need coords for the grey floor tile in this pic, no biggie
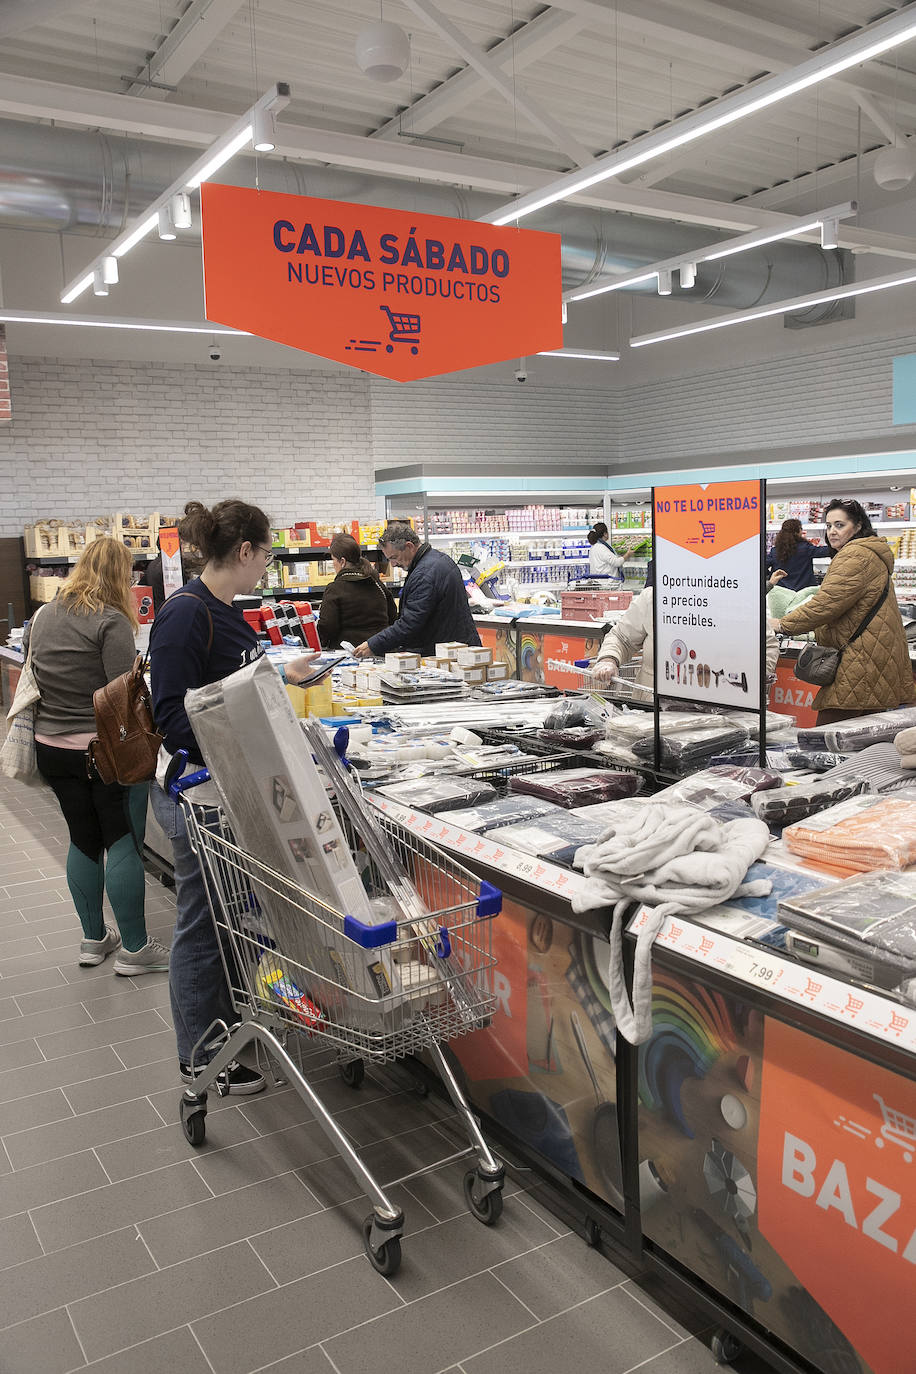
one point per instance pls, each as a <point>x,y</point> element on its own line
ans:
<point>652,1292</point>
<point>693,1357</point>
<point>9,1009</point>
<point>16,965</point>
<point>89,1037</point>
<point>12,926</point>
<point>331,1181</point>
<point>128,997</point>
<point>608,1331</point>
<point>51,1281</point>
<point>175,1353</point>
<point>40,913</point>
<point>151,1080</point>
<point>46,1183</point>
<point>115,1205</point>
<point>330,1236</point>
<point>160,1145</point>
<point>392,1115</point>
<point>288,1319</point>
<point>436,1331</point>
<point>557,1275</point>
<point>148,1049</point>
<point>44,1345</point>
<point>251,1211</point>
<point>23,942</point>
<point>57,1073</point>
<point>46,979</point>
<point>19,1054</point>
<point>15,891</point>
<point>36,1110</point>
<point>310,1361</point>
<point>43,1023</point>
<point>144,1306</point>
<point>18,1241</point>
<point>92,1129</point>
<point>66,939</point>
<point>261,1158</point>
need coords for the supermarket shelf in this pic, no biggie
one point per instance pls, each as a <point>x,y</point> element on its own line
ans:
<point>876,524</point>
<point>551,562</point>
<point>282,552</point>
<point>473,535</point>
<point>56,559</point>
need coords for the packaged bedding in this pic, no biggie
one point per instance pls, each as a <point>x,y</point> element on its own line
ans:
<point>569,787</point>
<point>849,736</point>
<point>868,832</point>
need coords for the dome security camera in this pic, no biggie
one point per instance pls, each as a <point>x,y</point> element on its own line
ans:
<point>521,375</point>
<point>214,352</point>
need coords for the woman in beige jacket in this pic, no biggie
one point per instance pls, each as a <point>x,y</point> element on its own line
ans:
<point>875,671</point>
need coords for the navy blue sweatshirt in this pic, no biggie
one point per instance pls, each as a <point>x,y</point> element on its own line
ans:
<point>800,573</point>
<point>179,657</point>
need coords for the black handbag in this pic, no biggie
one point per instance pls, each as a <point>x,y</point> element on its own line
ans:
<point>818,664</point>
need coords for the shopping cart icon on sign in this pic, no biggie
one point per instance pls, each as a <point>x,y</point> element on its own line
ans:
<point>404,329</point>
<point>707,531</point>
<point>898,1128</point>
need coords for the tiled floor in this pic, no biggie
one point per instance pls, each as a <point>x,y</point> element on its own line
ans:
<point>123,1250</point>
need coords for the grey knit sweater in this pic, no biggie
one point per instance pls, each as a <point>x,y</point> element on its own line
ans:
<point>73,655</point>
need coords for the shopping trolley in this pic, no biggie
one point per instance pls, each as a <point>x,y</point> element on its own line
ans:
<point>623,687</point>
<point>298,967</point>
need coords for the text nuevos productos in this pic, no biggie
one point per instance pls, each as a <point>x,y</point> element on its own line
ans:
<point>456,266</point>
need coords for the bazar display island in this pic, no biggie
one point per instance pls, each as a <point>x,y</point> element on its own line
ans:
<point>768,1121</point>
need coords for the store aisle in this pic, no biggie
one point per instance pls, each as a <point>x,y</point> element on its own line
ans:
<point>122,1251</point>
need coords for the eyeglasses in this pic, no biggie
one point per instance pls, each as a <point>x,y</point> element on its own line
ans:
<point>268,554</point>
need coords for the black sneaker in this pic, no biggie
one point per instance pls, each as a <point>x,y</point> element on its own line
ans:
<point>243,1082</point>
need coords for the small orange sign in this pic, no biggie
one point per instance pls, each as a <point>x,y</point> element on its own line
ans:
<point>388,291</point>
<point>708,519</point>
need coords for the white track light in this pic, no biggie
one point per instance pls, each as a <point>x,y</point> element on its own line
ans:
<point>166,228</point>
<point>99,284</point>
<point>180,210</point>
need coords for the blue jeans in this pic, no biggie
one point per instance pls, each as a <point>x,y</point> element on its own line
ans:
<point>198,989</point>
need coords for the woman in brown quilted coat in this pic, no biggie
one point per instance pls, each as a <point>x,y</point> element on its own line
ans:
<point>874,672</point>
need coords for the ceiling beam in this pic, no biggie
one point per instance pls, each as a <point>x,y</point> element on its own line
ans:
<point>493,74</point>
<point>202,22</point>
<point>882,121</point>
<point>43,100</point>
<point>528,44</point>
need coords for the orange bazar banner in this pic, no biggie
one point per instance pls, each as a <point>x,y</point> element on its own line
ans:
<point>388,291</point>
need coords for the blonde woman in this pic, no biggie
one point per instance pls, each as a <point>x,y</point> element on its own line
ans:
<point>82,640</point>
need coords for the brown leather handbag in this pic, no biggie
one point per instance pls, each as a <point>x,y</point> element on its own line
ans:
<point>127,744</point>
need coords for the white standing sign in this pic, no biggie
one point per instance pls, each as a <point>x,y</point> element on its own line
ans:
<point>708,592</point>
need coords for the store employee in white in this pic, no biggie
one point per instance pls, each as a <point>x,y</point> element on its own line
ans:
<point>602,560</point>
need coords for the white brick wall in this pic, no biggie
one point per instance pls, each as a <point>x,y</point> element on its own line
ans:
<point>90,437</point>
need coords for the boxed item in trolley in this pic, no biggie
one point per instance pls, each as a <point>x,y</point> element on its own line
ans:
<point>279,810</point>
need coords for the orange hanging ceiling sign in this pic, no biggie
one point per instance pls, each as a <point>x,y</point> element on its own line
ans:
<point>387,291</point>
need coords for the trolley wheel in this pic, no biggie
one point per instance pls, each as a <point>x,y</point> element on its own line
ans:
<point>353,1072</point>
<point>193,1122</point>
<point>724,1346</point>
<point>488,1208</point>
<point>387,1258</point>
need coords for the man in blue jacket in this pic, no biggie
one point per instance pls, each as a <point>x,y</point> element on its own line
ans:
<point>434,604</point>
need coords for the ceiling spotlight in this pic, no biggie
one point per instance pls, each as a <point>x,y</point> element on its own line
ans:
<point>180,210</point>
<point>109,270</point>
<point>895,168</point>
<point>99,284</point>
<point>830,229</point>
<point>263,133</point>
<point>383,51</point>
<point>688,275</point>
<point>664,283</point>
<point>166,228</point>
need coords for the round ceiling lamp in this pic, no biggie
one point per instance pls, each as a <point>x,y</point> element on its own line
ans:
<point>895,167</point>
<point>383,51</point>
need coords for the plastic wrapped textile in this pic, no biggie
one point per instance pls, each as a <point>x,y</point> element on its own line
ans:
<point>816,760</point>
<point>514,810</point>
<point>723,783</point>
<point>626,727</point>
<point>871,914</point>
<point>618,753</point>
<point>867,832</point>
<point>784,883</point>
<point>776,760</point>
<point>440,794</point>
<point>684,750</point>
<point>732,811</point>
<point>880,765</point>
<point>905,742</point>
<point>569,787</point>
<point>576,711</point>
<point>791,804</point>
<point>574,737</point>
<point>849,736</point>
<point>556,840</point>
<point>774,723</point>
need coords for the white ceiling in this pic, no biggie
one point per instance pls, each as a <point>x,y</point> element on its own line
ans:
<point>564,83</point>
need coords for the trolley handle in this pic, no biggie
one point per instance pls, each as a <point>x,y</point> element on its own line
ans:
<point>175,783</point>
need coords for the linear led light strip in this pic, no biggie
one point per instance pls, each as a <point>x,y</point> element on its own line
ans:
<point>225,147</point>
<point>838,293</point>
<point>116,322</point>
<point>850,52</point>
<point>825,220</point>
<point>598,355</point>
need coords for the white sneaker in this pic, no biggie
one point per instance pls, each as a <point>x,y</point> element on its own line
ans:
<point>97,951</point>
<point>150,958</point>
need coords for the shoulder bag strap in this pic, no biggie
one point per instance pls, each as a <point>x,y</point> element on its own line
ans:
<point>873,612</point>
<point>194,597</point>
